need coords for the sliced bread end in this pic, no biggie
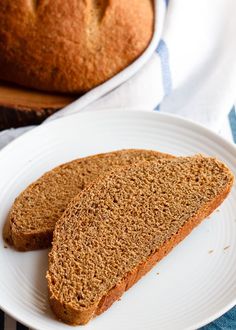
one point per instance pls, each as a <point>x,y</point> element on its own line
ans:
<point>73,313</point>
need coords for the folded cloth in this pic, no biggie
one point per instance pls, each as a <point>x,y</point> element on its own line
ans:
<point>189,69</point>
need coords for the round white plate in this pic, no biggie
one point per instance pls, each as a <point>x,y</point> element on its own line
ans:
<point>193,285</point>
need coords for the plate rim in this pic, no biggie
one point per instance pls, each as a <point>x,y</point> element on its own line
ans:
<point>176,119</point>
<point>116,111</point>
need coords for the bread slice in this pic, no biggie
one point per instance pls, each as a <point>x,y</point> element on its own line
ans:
<point>121,225</point>
<point>34,213</point>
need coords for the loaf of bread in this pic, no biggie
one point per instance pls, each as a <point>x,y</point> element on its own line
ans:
<point>32,218</point>
<point>121,225</point>
<point>71,46</point>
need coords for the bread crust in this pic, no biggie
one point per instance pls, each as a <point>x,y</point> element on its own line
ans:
<point>71,315</point>
<point>71,46</point>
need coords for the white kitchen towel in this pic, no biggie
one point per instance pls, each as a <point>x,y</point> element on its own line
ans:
<point>193,71</point>
<point>189,69</point>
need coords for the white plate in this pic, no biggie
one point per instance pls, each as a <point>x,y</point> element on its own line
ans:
<point>187,289</point>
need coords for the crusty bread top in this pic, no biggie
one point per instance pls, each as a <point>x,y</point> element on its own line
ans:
<point>35,211</point>
<point>120,220</point>
<point>71,46</point>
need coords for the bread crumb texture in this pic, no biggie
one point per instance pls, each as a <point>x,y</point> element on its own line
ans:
<point>34,213</point>
<point>121,220</point>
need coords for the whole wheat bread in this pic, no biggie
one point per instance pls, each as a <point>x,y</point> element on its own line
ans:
<point>34,213</point>
<point>71,46</point>
<point>121,225</point>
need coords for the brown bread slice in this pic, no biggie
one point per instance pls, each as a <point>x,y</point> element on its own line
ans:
<point>121,225</point>
<point>34,213</point>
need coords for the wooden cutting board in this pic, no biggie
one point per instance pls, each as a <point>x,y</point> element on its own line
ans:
<point>21,106</point>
